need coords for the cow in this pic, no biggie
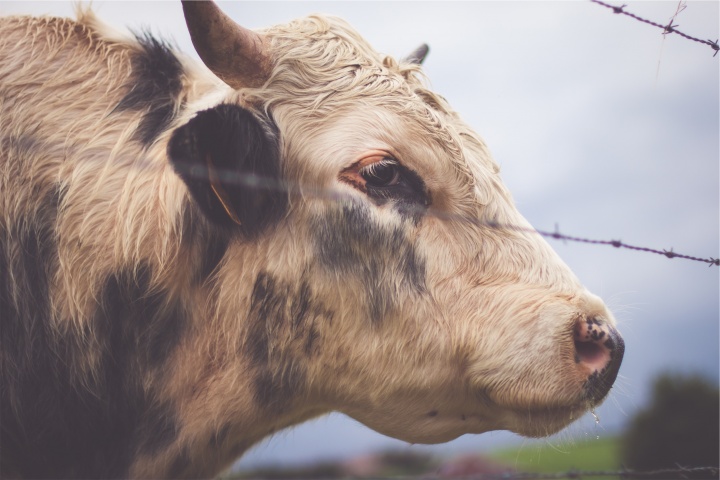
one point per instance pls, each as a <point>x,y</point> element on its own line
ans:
<point>194,256</point>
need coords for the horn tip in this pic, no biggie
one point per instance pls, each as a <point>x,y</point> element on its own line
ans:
<point>419,54</point>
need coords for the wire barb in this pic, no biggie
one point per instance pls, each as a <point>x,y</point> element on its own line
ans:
<point>714,46</point>
<point>669,28</point>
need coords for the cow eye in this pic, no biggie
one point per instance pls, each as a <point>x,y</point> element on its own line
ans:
<point>385,173</point>
<point>383,179</point>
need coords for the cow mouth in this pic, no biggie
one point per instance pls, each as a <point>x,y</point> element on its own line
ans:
<point>536,420</point>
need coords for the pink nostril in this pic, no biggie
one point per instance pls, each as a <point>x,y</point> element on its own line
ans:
<point>591,344</point>
<point>599,351</point>
<point>589,352</point>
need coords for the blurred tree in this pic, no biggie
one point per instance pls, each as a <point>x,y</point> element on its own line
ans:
<point>680,427</point>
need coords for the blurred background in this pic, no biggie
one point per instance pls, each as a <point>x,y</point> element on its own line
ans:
<point>605,129</point>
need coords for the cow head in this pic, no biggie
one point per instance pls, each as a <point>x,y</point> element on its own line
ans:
<point>378,266</point>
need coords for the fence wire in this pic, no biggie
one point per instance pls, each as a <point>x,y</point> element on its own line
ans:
<point>679,473</point>
<point>670,473</point>
<point>263,183</point>
<point>667,29</point>
<point>618,244</point>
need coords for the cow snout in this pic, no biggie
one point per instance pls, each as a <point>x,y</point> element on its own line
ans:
<point>599,350</point>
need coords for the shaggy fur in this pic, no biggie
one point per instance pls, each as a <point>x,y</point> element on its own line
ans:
<point>146,335</point>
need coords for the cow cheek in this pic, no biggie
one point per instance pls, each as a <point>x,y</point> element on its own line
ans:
<point>409,389</point>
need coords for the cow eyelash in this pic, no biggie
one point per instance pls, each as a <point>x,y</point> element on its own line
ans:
<point>382,174</point>
<point>387,180</point>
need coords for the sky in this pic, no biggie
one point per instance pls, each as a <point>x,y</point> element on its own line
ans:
<point>604,129</point>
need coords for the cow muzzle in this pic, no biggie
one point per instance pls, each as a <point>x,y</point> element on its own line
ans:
<point>599,350</point>
<point>561,363</point>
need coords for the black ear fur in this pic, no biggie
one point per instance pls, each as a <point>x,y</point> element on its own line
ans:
<point>231,165</point>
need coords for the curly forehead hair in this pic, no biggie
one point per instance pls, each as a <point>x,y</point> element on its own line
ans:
<point>324,66</point>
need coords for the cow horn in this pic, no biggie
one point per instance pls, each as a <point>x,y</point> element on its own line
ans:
<point>238,56</point>
<point>418,55</point>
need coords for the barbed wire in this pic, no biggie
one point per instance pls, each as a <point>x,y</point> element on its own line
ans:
<point>679,473</point>
<point>669,28</point>
<point>618,244</point>
<point>695,473</point>
<point>259,182</point>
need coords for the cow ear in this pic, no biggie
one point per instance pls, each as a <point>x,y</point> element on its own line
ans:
<point>418,55</point>
<point>229,160</point>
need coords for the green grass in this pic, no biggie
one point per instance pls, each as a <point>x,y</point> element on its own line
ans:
<point>587,455</point>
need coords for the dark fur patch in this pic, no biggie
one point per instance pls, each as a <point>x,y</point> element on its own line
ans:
<point>409,195</point>
<point>158,431</point>
<point>349,241</point>
<point>284,320</point>
<point>143,326</point>
<point>214,252</point>
<point>56,424</point>
<point>19,146</point>
<point>200,240</point>
<point>218,438</point>
<point>28,255</point>
<point>276,388</point>
<point>156,86</point>
<point>178,469</point>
